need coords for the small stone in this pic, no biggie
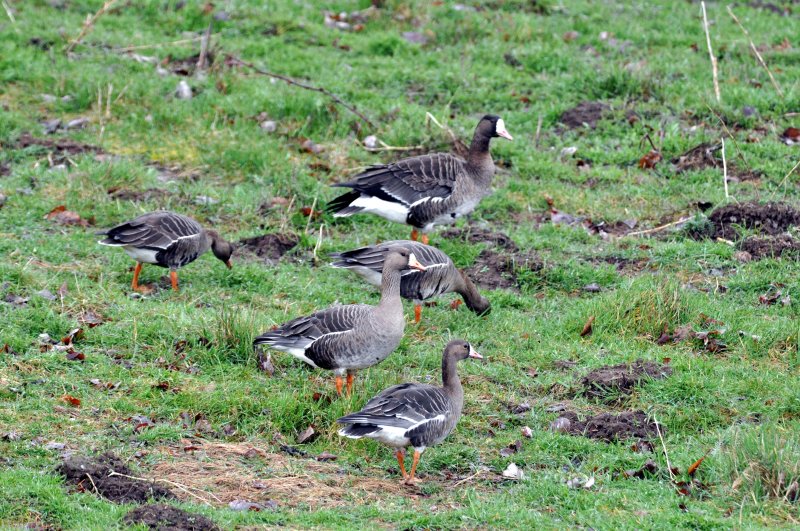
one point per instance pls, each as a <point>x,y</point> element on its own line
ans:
<point>742,256</point>
<point>371,141</point>
<point>184,91</point>
<point>269,126</point>
<point>592,288</point>
<point>512,471</point>
<point>527,432</point>
<point>77,123</point>
<point>561,425</point>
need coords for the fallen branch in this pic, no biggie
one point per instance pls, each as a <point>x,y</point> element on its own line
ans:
<point>711,53</point>
<point>658,229</point>
<point>88,25</point>
<point>290,81</point>
<point>126,49</point>
<point>757,54</point>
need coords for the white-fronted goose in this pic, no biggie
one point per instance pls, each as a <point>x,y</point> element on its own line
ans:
<point>411,414</point>
<point>349,337</point>
<point>165,239</point>
<point>427,190</point>
<point>440,275</point>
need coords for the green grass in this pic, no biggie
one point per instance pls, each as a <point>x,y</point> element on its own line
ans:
<point>741,404</point>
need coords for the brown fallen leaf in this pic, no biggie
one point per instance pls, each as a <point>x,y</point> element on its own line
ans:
<point>587,328</point>
<point>791,136</point>
<point>91,318</point>
<point>307,435</point>
<point>325,456</point>
<point>71,400</point>
<point>75,356</point>
<point>62,216</point>
<point>693,469</point>
<point>650,160</point>
<point>75,333</point>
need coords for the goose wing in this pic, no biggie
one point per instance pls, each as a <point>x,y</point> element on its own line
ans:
<point>156,230</point>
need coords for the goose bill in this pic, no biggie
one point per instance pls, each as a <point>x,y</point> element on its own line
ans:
<point>413,263</point>
<point>501,130</point>
<point>474,353</point>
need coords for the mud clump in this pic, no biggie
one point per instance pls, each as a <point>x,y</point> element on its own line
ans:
<point>767,218</point>
<point>704,156</point>
<point>91,474</point>
<point>770,247</point>
<point>164,517</point>
<point>62,148</point>
<point>271,246</point>
<point>477,235</point>
<point>609,427</point>
<point>493,270</point>
<point>585,113</point>
<point>614,380</point>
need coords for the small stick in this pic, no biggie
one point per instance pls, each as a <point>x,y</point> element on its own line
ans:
<point>757,54</point>
<point>93,485</point>
<point>657,229</point>
<point>201,61</point>
<point>432,118</point>
<point>311,214</point>
<point>786,177</point>
<point>319,243</point>
<point>90,20</point>
<point>157,45</point>
<point>108,100</point>
<point>538,132</point>
<point>710,53</point>
<point>9,12</point>
<point>121,93</point>
<point>290,81</point>
<point>468,478</point>
<point>664,446</point>
<point>724,169</point>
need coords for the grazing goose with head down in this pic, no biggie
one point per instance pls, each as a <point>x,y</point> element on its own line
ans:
<point>416,415</point>
<point>440,275</point>
<point>165,239</point>
<point>349,337</point>
<point>427,190</point>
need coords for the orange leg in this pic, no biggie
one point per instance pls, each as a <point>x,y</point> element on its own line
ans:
<point>425,239</point>
<point>400,454</point>
<point>410,480</point>
<point>414,234</point>
<point>136,271</point>
<point>173,275</point>
<point>339,384</point>
<point>417,313</point>
<point>350,378</point>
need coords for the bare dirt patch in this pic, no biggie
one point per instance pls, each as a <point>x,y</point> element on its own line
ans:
<point>767,218</point>
<point>471,234</point>
<point>705,156</point>
<point>221,473</point>
<point>770,246</point>
<point>614,380</point>
<point>493,269</point>
<point>91,474</point>
<point>270,246</point>
<point>60,148</point>
<point>165,517</point>
<point>124,194</point>
<point>585,113</point>
<point>611,427</point>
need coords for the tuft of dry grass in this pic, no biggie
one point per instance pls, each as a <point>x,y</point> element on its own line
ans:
<point>224,472</point>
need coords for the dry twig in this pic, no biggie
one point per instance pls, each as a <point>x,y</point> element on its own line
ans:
<point>711,53</point>
<point>724,169</point>
<point>658,229</point>
<point>757,54</point>
<point>204,45</point>
<point>336,99</point>
<point>664,446</point>
<point>786,177</point>
<point>89,24</point>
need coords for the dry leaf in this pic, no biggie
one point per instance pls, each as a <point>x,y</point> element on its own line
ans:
<point>307,435</point>
<point>69,399</point>
<point>587,328</point>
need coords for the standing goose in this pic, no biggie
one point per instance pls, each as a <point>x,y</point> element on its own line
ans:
<point>427,190</point>
<point>440,275</point>
<point>165,239</point>
<point>410,414</point>
<point>349,337</point>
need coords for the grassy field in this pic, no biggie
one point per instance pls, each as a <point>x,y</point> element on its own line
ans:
<point>170,383</point>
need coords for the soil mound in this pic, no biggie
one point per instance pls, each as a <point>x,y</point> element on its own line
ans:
<point>165,517</point>
<point>91,474</point>
<point>621,379</point>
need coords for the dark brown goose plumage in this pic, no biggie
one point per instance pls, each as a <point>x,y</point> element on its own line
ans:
<point>349,337</point>
<point>440,276</point>
<point>165,239</point>
<point>427,190</point>
<point>416,415</point>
